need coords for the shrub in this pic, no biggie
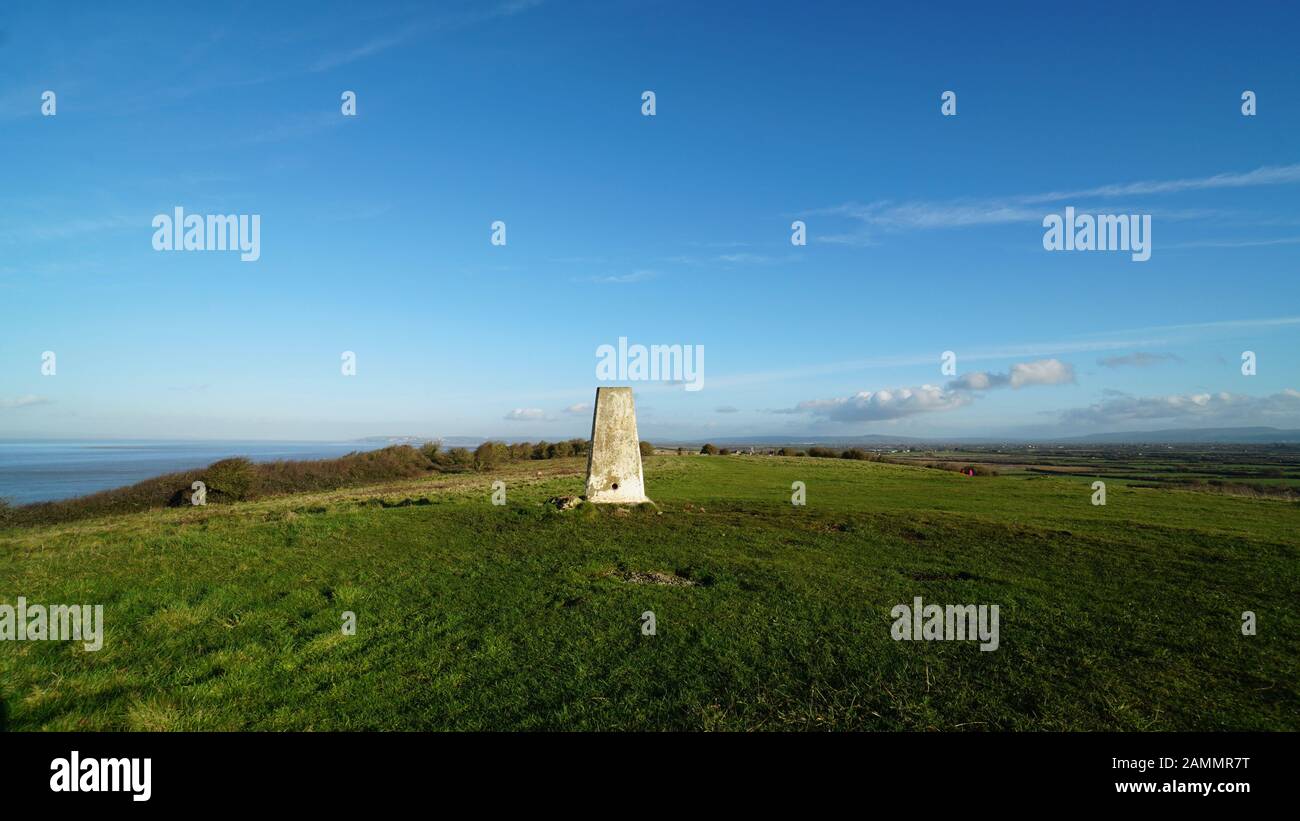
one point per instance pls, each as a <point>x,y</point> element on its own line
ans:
<point>432,451</point>
<point>521,450</point>
<point>709,450</point>
<point>647,449</point>
<point>460,458</point>
<point>724,452</point>
<point>234,479</point>
<point>490,454</point>
<point>824,453</point>
<point>394,462</point>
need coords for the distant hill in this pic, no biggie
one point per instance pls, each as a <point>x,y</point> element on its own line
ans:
<point>1226,436</point>
<point>768,441</point>
<point>447,441</point>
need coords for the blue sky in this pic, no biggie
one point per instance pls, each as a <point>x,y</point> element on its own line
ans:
<point>924,232</point>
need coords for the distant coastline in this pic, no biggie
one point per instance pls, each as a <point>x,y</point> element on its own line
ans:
<point>42,470</point>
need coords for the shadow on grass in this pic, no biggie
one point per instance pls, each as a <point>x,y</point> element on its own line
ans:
<point>4,715</point>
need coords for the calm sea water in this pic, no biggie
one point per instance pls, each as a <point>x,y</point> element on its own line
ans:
<point>38,471</point>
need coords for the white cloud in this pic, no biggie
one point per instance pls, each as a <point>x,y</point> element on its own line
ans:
<point>896,403</point>
<point>1022,374</point>
<point>1220,406</point>
<point>976,381</point>
<point>525,415</point>
<point>892,403</point>
<point>580,409</point>
<point>1041,372</point>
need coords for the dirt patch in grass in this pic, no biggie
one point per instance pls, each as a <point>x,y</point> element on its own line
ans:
<point>651,577</point>
<point>386,504</point>
<point>930,576</point>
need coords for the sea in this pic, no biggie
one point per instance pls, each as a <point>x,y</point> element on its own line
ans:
<point>46,470</point>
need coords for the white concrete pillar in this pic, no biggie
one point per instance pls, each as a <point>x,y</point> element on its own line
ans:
<point>614,463</point>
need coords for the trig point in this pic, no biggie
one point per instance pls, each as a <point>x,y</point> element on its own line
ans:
<point>614,464</point>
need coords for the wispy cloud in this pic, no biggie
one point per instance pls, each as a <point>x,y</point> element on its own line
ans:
<point>635,276</point>
<point>371,47</point>
<point>25,401</point>
<point>66,228</point>
<point>859,239</point>
<point>1228,243</point>
<point>734,258</point>
<point>891,216</point>
<point>745,259</point>
<point>1137,359</point>
<point>295,127</point>
<point>906,215</point>
<point>1267,175</point>
<point>380,43</point>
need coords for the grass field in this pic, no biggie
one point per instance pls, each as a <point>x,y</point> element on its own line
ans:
<point>769,616</point>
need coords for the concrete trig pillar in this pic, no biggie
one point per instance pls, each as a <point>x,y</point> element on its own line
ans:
<point>614,463</point>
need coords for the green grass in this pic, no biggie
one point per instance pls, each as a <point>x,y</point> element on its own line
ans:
<point>473,617</point>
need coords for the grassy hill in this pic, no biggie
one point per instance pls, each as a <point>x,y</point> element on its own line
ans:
<point>769,616</point>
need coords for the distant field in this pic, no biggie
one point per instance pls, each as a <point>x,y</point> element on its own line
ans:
<point>769,616</point>
<point>1273,468</point>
